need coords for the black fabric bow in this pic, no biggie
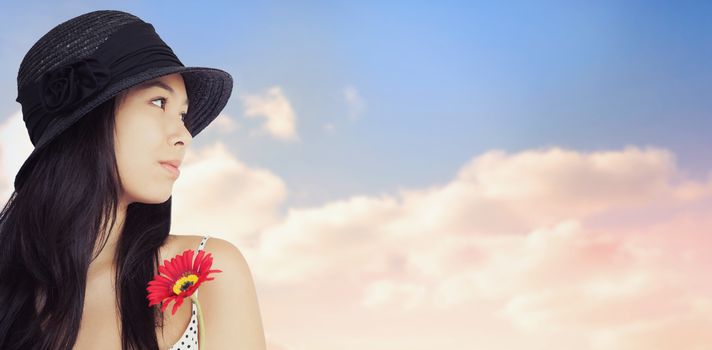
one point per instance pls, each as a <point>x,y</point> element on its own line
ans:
<point>64,88</point>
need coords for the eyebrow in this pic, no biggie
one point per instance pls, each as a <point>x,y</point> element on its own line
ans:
<point>160,84</point>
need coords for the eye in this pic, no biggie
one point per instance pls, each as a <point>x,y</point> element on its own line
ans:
<point>163,106</point>
<point>160,99</point>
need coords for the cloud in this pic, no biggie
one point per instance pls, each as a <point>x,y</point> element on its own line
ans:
<point>218,193</point>
<point>224,124</point>
<point>329,127</point>
<point>689,330</point>
<point>15,147</point>
<point>274,345</point>
<point>385,291</point>
<point>354,102</point>
<point>478,202</point>
<point>274,107</point>
<point>539,242</point>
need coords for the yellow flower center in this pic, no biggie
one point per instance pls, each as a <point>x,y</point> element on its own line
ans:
<point>184,283</point>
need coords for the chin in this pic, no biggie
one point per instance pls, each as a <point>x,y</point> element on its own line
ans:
<point>153,197</point>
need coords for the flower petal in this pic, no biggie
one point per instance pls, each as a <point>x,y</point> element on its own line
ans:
<point>178,303</point>
<point>198,261</point>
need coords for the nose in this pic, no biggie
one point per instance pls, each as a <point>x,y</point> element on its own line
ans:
<point>186,137</point>
<point>182,134</point>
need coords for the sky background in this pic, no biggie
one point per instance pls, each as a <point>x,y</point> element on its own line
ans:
<point>461,175</point>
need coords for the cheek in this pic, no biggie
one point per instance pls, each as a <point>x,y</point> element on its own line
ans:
<point>137,155</point>
<point>133,162</point>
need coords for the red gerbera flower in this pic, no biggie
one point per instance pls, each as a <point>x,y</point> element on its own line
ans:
<point>183,277</point>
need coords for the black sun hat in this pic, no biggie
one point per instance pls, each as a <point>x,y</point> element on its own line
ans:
<point>91,58</point>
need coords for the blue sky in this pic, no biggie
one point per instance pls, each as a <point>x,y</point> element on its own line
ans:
<point>441,82</point>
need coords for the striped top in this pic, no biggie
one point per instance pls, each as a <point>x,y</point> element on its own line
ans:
<point>189,339</point>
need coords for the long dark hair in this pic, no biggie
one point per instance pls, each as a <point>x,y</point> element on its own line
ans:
<point>48,232</point>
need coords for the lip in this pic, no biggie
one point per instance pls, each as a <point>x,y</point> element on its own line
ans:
<point>173,170</point>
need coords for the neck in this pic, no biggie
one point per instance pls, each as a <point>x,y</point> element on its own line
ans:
<point>105,259</point>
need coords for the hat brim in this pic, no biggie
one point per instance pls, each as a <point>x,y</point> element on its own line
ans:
<point>208,91</point>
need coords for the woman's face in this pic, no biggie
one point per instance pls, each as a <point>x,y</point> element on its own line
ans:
<point>150,130</point>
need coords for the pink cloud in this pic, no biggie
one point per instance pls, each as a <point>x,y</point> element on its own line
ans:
<point>535,236</point>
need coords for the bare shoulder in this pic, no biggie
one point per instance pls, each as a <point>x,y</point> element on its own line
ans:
<point>229,302</point>
<point>177,244</point>
<point>227,251</point>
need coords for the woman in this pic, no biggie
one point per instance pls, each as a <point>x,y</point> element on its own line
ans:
<point>111,111</point>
